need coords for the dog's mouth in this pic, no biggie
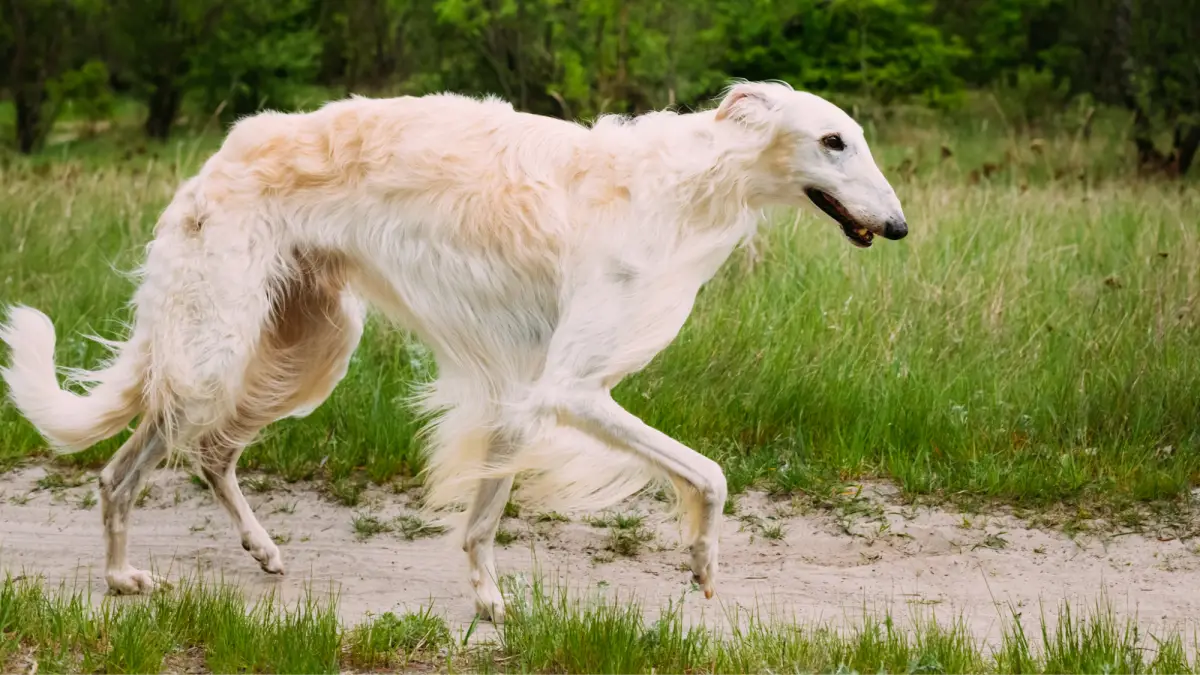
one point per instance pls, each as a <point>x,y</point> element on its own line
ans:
<point>857,234</point>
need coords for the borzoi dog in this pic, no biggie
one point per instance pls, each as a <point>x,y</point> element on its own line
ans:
<point>542,261</point>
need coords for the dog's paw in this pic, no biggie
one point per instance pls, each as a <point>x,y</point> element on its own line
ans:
<point>704,565</point>
<point>489,604</point>
<point>266,553</point>
<point>131,581</point>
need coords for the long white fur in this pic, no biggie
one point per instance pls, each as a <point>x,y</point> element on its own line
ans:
<point>542,261</point>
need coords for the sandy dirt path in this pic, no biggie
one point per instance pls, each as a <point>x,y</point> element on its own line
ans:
<point>827,566</point>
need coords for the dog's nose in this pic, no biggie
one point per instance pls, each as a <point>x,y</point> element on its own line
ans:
<point>895,229</point>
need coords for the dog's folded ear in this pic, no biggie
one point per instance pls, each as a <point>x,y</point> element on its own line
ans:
<point>747,103</point>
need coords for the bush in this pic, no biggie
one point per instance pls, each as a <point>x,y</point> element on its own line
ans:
<point>86,94</point>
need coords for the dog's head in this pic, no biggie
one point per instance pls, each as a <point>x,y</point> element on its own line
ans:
<point>813,150</point>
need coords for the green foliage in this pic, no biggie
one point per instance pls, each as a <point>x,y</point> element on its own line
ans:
<point>38,41</point>
<point>86,91</point>
<point>1031,96</point>
<point>157,41</point>
<point>260,54</point>
<point>580,59</point>
<point>885,49</point>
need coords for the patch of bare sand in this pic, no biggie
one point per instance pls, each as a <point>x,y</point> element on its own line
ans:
<point>826,567</point>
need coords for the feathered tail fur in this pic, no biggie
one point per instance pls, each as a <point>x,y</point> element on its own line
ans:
<point>70,422</point>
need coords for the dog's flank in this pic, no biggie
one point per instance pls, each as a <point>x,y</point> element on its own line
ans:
<point>542,261</point>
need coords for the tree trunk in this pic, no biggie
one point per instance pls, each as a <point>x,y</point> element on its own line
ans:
<point>1187,140</point>
<point>35,60</point>
<point>164,106</point>
<point>1148,156</point>
<point>30,100</point>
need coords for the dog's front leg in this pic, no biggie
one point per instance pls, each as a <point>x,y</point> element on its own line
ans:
<point>704,484</point>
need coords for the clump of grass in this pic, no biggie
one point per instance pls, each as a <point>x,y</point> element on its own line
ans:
<point>773,531</point>
<point>143,495</point>
<point>388,641</point>
<point>770,529</point>
<point>56,481</point>
<point>629,542</point>
<point>993,540</point>
<point>346,491</point>
<point>627,534</point>
<point>88,500</point>
<point>624,521</point>
<point>366,525</point>
<point>412,527</point>
<point>551,517</point>
<point>259,484</point>
<point>504,536</point>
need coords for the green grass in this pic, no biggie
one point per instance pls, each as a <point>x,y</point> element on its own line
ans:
<point>392,642</point>
<point>211,627</point>
<point>1036,339</point>
<point>409,527</point>
<point>194,624</point>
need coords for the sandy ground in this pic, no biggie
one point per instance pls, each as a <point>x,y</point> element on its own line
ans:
<point>828,566</point>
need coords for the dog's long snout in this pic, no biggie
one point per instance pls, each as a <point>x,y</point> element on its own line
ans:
<point>895,229</point>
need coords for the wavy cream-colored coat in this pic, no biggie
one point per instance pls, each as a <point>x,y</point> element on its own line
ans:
<point>541,260</point>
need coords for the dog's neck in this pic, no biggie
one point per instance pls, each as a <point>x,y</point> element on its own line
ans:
<point>699,172</point>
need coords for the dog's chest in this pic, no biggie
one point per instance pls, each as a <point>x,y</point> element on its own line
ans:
<point>648,302</point>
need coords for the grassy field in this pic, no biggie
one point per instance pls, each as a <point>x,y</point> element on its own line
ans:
<point>1036,339</point>
<point>200,626</point>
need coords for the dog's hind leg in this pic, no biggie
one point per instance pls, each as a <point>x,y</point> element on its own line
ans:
<point>303,354</point>
<point>119,481</point>
<point>218,463</point>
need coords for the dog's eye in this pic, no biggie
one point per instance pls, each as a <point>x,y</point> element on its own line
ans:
<point>833,142</point>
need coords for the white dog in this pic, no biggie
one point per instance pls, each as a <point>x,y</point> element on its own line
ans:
<point>542,261</point>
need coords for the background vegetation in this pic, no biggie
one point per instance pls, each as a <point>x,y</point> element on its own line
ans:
<point>186,60</point>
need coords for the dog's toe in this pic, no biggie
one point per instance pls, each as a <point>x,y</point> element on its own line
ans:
<point>489,604</point>
<point>132,581</point>
<point>273,565</point>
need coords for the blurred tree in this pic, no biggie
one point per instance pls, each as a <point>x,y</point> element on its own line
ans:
<point>37,45</point>
<point>86,90</point>
<point>885,49</point>
<point>261,53</point>
<point>157,43</point>
<point>1144,56</point>
<point>579,58</point>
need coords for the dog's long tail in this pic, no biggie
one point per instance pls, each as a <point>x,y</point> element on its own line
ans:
<point>70,422</point>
